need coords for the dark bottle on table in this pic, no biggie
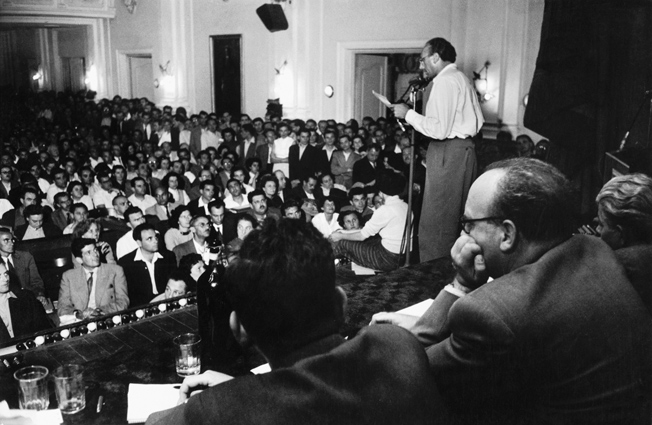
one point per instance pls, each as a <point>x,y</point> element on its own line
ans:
<point>220,350</point>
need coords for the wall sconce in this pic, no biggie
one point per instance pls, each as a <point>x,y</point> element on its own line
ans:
<point>36,76</point>
<point>329,91</point>
<point>166,75</point>
<point>280,69</point>
<point>480,83</point>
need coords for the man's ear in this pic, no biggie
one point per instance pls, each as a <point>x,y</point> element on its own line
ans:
<point>239,332</point>
<point>509,238</point>
<point>79,260</point>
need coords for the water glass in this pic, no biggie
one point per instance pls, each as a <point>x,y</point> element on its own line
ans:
<point>187,347</point>
<point>33,387</point>
<point>70,389</point>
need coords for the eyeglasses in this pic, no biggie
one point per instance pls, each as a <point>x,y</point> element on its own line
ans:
<point>467,223</point>
<point>423,59</point>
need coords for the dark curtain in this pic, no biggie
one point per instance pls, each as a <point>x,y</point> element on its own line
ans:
<point>593,68</point>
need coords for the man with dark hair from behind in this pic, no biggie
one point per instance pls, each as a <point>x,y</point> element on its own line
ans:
<point>559,336</point>
<point>285,300</point>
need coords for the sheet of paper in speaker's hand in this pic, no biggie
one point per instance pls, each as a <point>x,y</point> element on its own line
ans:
<point>382,98</point>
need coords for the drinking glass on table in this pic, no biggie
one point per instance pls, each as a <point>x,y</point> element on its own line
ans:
<point>33,387</point>
<point>70,388</point>
<point>188,359</point>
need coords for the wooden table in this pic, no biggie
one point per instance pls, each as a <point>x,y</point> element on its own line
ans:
<point>140,352</point>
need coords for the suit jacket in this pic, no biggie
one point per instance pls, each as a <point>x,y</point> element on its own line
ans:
<point>27,274</point>
<point>251,152</point>
<point>9,218</point>
<point>184,249</point>
<point>110,292</point>
<point>565,339</point>
<point>364,172</point>
<point>139,283</point>
<point>3,191</point>
<point>378,377</point>
<point>324,162</point>
<point>48,229</point>
<point>27,316</point>
<point>308,165</point>
<point>158,211</point>
<point>194,207</point>
<point>299,194</point>
<point>262,152</point>
<point>637,261</point>
<point>59,219</point>
<point>340,165</point>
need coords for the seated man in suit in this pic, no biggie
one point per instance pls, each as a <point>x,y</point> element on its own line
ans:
<point>147,269</point>
<point>35,227</point>
<point>21,313</point>
<point>178,284</point>
<point>201,228</point>
<point>14,218</point>
<point>200,205</point>
<point>95,288</point>
<point>378,377</point>
<point>367,170</point>
<point>21,266</point>
<point>306,189</point>
<point>162,207</point>
<point>259,209</point>
<point>62,216</point>
<point>559,336</point>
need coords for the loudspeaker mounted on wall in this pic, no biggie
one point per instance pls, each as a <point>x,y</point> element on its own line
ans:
<point>273,17</point>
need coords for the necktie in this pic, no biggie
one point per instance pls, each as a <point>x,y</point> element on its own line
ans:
<point>89,282</point>
<point>10,265</point>
<point>167,211</point>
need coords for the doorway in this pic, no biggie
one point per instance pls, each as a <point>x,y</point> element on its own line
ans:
<point>227,73</point>
<point>74,74</point>
<point>141,76</point>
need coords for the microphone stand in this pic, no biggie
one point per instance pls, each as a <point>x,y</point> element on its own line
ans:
<point>414,89</point>
<point>638,112</point>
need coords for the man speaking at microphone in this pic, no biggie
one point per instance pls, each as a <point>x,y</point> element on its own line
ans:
<point>453,117</point>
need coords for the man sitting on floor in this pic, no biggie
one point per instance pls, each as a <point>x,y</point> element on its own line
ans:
<point>559,335</point>
<point>384,253</point>
<point>378,377</point>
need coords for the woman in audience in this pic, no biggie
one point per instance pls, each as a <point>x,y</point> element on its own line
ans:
<point>625,216</point>
<point>91,229</point>
<point>193,265</point>
<point>163,168</point>
<point>175,184</point>
<point>326,221</point>
<point>179,231</point>
<point>359,146</point>
<point>246,224</point>
<point>269,185</point>
<point>350,220</point>
<point>120,178</point>
<point>327,189</point>
<point>76,190</point>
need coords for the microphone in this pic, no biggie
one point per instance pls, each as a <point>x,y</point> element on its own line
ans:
<point>419,82</point>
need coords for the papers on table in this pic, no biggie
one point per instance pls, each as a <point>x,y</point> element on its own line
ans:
<point>39,417</point>
<point>145,399</point>
<point>263,368</point>
<point>417,309</point>
<point>360,270</point>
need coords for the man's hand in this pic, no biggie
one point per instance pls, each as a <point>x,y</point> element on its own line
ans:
<point>403,320</point>
<point>105,248</point>
<point>400,110</point>
<point>336,236</point>
<point>469,262</point>
<point>207,379</point>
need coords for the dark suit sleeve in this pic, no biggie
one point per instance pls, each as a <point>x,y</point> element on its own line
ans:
<point>480,343</point>
<point>35,283</point>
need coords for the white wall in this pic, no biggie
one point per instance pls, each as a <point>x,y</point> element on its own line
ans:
<point>505,32</point>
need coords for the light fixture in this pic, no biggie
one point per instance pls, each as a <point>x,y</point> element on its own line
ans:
<point>481,85</point>
<point>37,76</point>
<point>166,75</point>
<point>329,91</point>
